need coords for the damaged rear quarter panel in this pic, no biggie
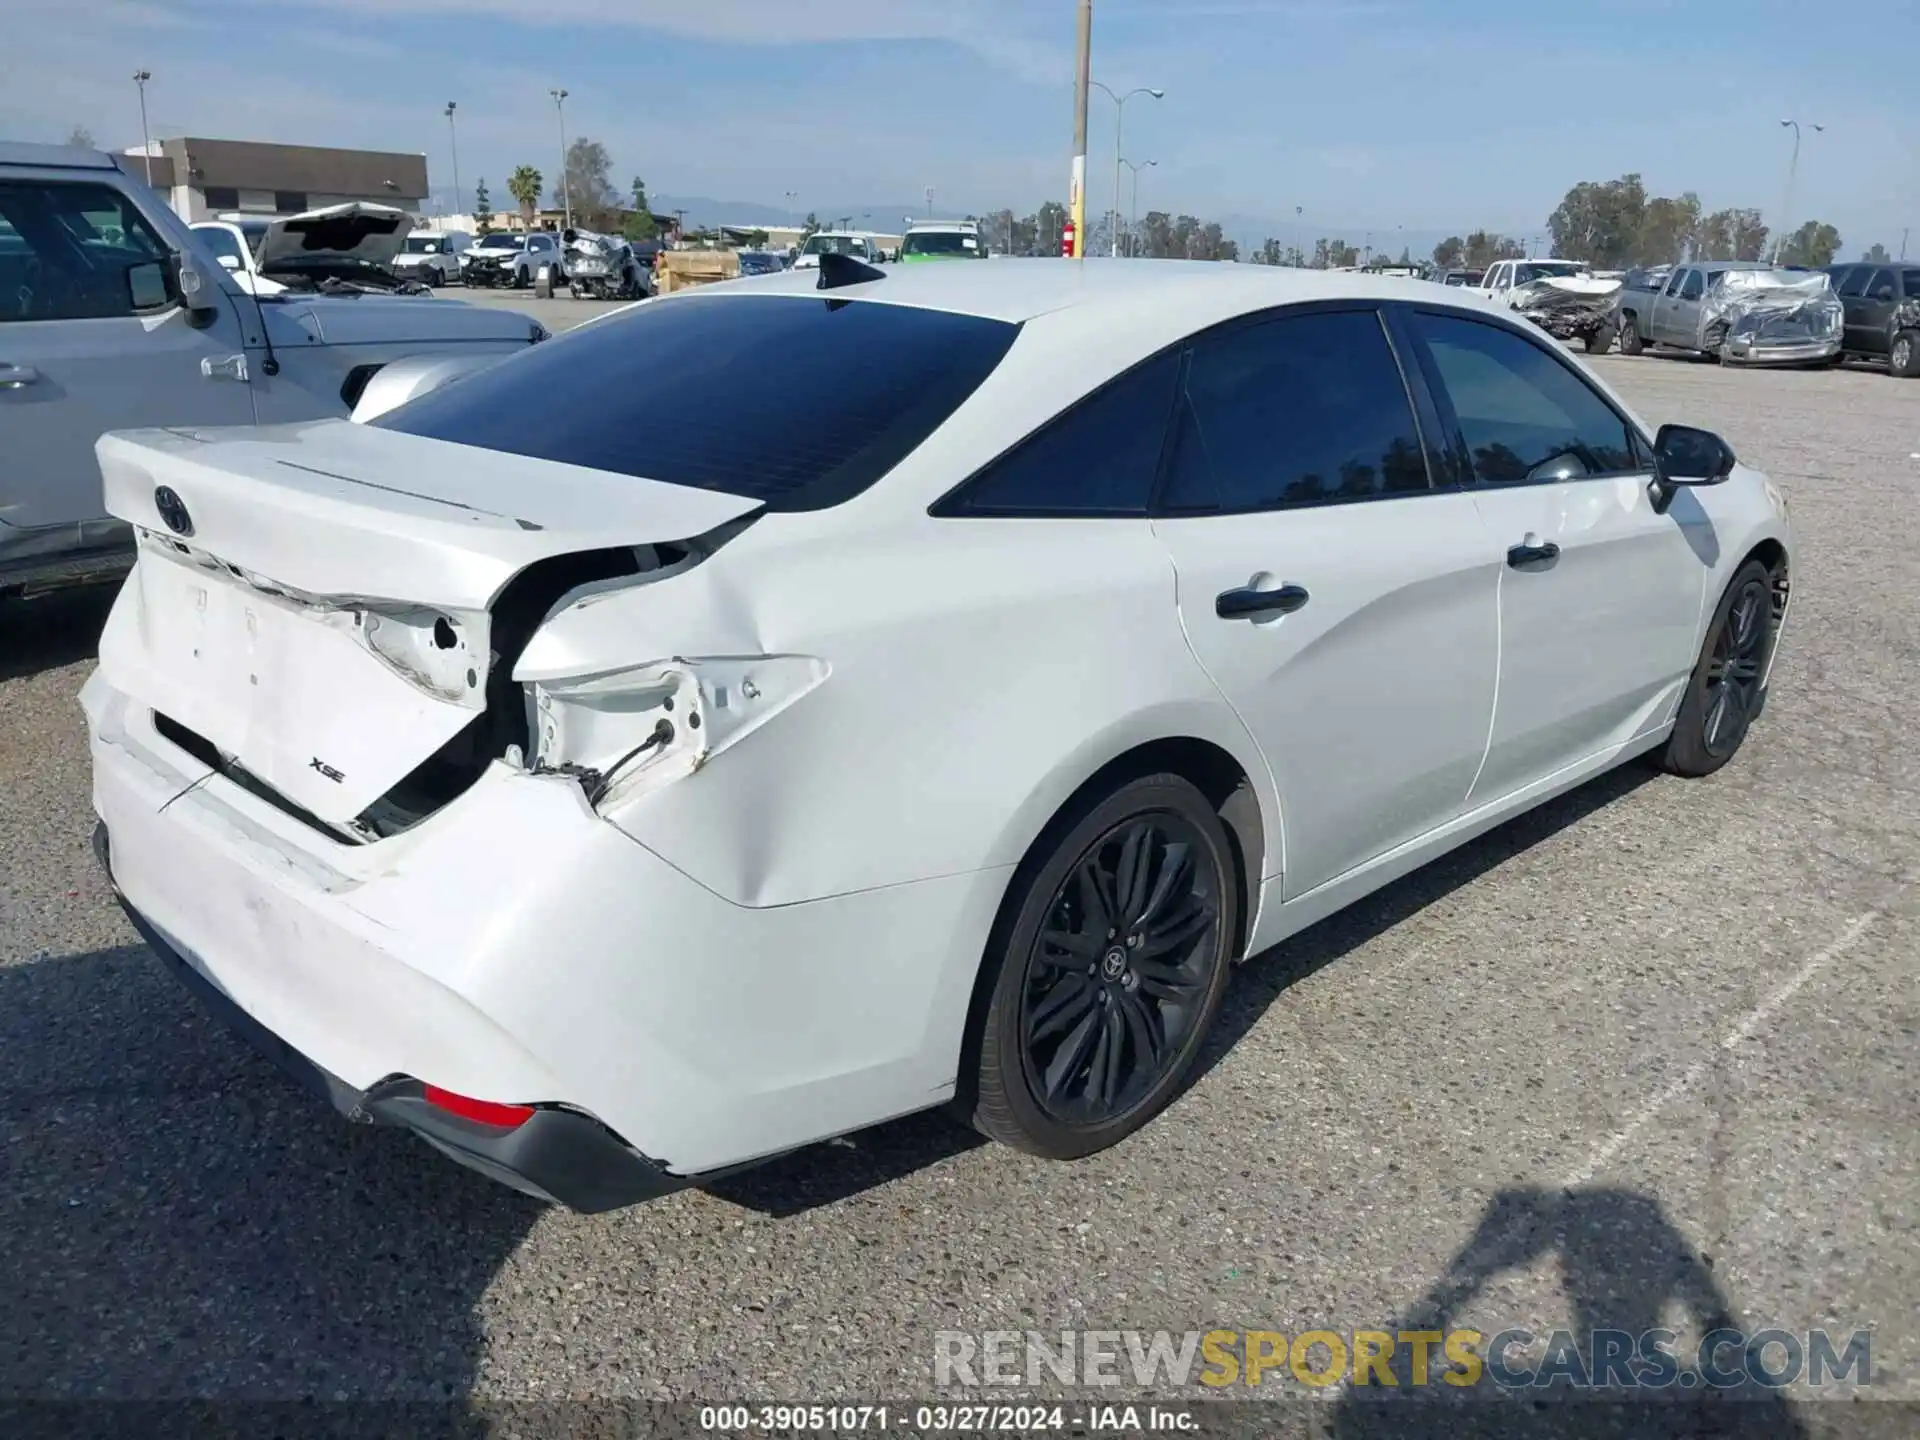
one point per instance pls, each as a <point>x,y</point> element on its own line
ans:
<point>980,671</point>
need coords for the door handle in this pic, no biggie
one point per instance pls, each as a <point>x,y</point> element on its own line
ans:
<point>1247,603</point>
<point>12,377</point>
<point>1520,557</point>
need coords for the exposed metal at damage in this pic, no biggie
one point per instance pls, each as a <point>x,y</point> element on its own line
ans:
<point>1758,316</point>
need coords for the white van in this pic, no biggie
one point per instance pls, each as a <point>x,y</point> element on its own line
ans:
<point>432,255</point>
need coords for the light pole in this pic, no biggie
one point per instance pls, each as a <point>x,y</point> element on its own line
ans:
<point>1133,222</point>
<point>1076,245</point>
<point>1793,165</point>
<point>793,210</point>
<point>140,78</point>
<point>1119,122</point>
<point>1298,249</point>
<point>453,138</point>
<point>929,202</point>
<point>566,191</point>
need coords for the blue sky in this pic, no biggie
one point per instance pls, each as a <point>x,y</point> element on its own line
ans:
<point>1403,119</point>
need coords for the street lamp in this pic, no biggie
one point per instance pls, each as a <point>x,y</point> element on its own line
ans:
<point>140,78</point>
<point>454,138</point>
<point>566,191</point>
<point>1133,223</point>
<point>929,202</point>
<point>1793,165</point>
<point>1119,122</point>
<point>793,210</point>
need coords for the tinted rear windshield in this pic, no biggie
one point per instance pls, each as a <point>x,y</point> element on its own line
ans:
<point>655,393</point>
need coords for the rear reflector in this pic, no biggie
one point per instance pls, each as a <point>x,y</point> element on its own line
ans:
<point>485,1112</point>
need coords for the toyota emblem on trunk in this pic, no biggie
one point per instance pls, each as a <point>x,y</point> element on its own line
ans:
<point>173,510</point>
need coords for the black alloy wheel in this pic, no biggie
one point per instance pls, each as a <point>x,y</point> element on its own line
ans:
<point>1734,668</point>
<point>1724,694</point>
<point>1110,973</point>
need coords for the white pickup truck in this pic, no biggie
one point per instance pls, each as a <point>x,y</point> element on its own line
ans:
<point>113,316</point>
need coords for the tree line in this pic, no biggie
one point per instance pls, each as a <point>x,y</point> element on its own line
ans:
<point>1159,235</point>
<point>586,187</point>
<point>1614,224</point>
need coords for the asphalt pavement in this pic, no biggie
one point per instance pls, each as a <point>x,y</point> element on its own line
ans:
<point>1646,1052</point>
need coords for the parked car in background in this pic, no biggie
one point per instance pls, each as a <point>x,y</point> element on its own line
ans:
<point>433,256</point>
<point>233,248</point>
<point>835,242</point>
<point>508,259</point>
<point>1881,306</point>
<point>1504,276</point>
<point>562,819</point>
<point>1744,311</point>
<point>943,240</point>
<point>761,262</point>
<point>114,314</point>
<point>1467,279</point>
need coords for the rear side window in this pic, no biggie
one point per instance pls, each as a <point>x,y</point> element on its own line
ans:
<point>1100,458</point>
<point>656,393</point>
<point>1524,416</point>
<point>1911,279</point>
<point>1300,410</point>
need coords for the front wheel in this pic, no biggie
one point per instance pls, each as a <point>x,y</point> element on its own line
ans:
<point>1599,341</point>
<point>1903,355</point>
<point>1724,694</point>
<point>1110,959</point>
<point>1630,341</point>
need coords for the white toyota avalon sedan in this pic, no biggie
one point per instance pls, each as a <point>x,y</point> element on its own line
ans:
<point>625,787</point>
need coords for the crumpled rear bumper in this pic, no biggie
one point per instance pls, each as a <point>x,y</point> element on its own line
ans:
<point>559,1154</point>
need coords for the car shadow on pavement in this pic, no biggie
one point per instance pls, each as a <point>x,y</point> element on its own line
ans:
<point>53,630</point>
<point>1625,1270</point>
<point>179,1220</point>
<point>825,1174</point>
<point>1268,975</point>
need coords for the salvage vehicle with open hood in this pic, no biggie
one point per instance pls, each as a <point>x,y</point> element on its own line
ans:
<point>115,314</point>
<point>615,784</point>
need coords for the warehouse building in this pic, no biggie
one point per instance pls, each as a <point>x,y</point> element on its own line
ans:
<point>203,178</point>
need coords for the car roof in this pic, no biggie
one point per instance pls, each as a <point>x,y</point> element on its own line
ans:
<point>1019,289</point>
<point>69,157</point>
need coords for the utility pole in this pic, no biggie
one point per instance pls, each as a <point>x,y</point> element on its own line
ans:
<point>566,191</point>
<point>140,78</point>
<point>929,202</point>
<point>1074,247</point>
<point>1903,242</point>
<point>1793,166</point>
<point>454,139</point>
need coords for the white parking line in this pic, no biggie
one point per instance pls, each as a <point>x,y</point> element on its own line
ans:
<point>1730,1042</point>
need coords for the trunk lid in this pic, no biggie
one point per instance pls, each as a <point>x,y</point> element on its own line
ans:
<point>314,600</point>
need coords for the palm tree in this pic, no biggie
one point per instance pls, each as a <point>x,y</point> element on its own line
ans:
<point>524,185</point>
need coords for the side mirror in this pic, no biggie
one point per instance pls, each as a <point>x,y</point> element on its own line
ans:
<point>1683,455</point>
<point>147,287</point>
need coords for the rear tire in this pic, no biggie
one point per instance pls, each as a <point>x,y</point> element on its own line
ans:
<point>1724,694</point>
<point>1903,354</point>
<point>1110,958</point>
<point>1630,341</point>
<point>1598,342</point>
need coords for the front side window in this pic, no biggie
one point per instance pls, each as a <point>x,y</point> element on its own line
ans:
<point>1099,458</point>
<point>65,251</point>
<point>655,393</point>
<point>1911,282</point>
<point>1305,409</point>
<point>1694,287</point>
<point>1882,286</point>
<point>1523,415</point>
<point>1855,285</point>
